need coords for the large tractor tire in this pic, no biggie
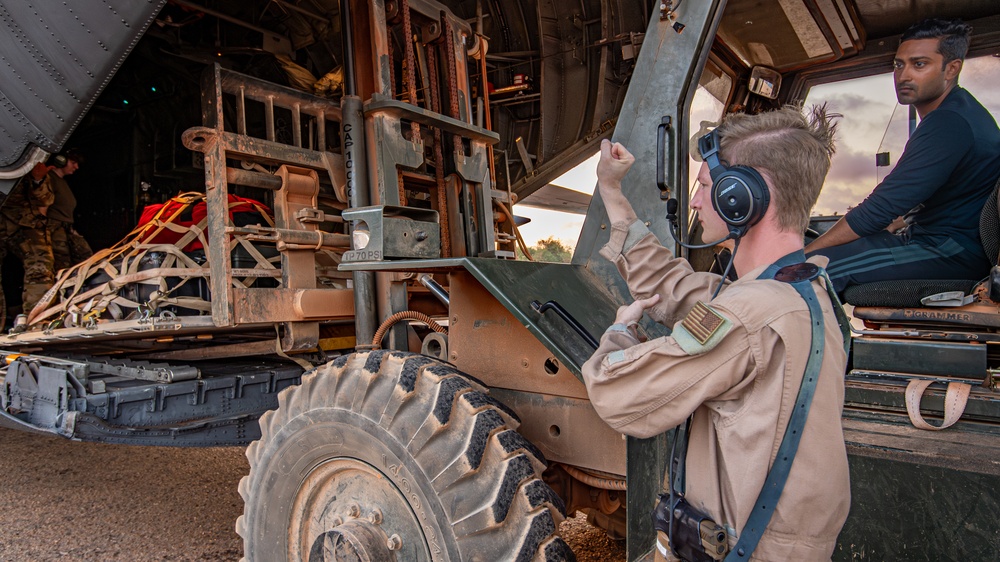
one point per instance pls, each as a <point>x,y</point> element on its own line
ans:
<point>395,456</point>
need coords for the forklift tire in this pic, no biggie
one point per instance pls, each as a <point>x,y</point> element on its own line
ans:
<point>395,456</point>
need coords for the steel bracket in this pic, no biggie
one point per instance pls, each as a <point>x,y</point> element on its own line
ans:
<point>387,232</point>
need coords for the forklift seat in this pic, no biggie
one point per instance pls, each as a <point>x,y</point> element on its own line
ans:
<point>907,293</point>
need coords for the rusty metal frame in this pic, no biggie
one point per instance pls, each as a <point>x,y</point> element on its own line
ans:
<point>394,146</point>
<point>297,303</point>
<point>486,339</point>
<point>567,430</point>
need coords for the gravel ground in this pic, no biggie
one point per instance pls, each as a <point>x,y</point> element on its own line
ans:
<point>591,544</point>
<point>66,501</point>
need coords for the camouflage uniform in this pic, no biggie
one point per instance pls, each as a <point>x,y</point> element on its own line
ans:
<point>23,227</point>
<point>68,246</point>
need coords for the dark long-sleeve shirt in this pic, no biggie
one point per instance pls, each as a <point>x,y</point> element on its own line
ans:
<point>949,166</point>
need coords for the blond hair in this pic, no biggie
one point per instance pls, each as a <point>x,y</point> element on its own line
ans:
<point>790,149</point>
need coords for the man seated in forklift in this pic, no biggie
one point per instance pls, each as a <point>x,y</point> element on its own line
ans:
<point>739,352</point>
<point>947,171</point>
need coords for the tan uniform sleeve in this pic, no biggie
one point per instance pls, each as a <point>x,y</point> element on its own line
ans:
<point>648,268</point>
<point>644,389</point>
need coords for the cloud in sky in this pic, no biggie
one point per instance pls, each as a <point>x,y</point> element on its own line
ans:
<point>836,198</point>
<point>861,116</point>
<point>544,224</point>
<point>563,226</point>
<point>583,177</point>
<point>979,76</point>
<point>853,167</point>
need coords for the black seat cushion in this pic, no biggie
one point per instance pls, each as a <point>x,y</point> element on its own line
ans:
<point>903,293</point>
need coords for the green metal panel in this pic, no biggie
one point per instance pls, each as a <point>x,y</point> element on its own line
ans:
<point>646,464</point>
<point>586,297</point>
<point>905,505</point>
<point>915,494</point>
<point>662,85</point>
<point>957,359</point>
<point>885,393</point>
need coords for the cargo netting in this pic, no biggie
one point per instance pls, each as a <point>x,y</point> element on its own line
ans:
<point>159,268</point>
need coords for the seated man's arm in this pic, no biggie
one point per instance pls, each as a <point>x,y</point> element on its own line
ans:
<point>839,233</point>
<point>897,225</point>
<point>930,157</point>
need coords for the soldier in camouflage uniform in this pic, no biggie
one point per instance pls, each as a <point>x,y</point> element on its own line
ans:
<point>68,246</point>
<point>23,229</point>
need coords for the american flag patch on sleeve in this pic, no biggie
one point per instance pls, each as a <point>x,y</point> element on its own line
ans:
<point>701,329</point>
<point>702,322</point>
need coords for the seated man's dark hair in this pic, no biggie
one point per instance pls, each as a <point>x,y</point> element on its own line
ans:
<point>954,36</point>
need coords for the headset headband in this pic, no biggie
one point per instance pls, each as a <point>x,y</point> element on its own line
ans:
<point>708,146</point>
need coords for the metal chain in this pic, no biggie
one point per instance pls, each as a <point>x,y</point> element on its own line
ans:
<point>409,72</point>
<point>449,45</point>
<point>442,195</point>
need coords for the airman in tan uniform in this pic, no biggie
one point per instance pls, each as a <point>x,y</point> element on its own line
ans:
<point>736,361</point>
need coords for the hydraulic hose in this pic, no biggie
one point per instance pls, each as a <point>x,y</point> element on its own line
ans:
<point>405,315</point>
<point>517,233</point>
<point>615,484</point>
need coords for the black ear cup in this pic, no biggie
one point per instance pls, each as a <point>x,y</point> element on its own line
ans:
<point>57,160</point>
<point>739,193</point>
<point>740,196</point>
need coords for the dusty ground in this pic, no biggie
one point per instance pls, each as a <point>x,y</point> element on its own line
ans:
<point>82,501</point>
<point>590,544</point>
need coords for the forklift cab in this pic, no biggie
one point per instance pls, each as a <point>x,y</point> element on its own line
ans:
<point>909,364</point>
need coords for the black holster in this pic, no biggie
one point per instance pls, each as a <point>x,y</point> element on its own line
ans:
<point>694,536</point>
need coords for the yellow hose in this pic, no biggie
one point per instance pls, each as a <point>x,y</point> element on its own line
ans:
<point>517,233</point>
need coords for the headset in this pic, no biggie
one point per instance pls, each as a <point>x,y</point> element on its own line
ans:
<point>57,160</point>
<point>739,194</point>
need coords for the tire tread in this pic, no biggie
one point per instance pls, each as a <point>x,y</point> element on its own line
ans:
<point>486,475</point>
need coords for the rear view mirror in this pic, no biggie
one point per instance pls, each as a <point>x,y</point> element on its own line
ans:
<point>765,82</point>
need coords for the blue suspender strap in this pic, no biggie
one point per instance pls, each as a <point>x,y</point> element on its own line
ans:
<point>793,258</point>
<point>798,257</point>
<point>778,475</point>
